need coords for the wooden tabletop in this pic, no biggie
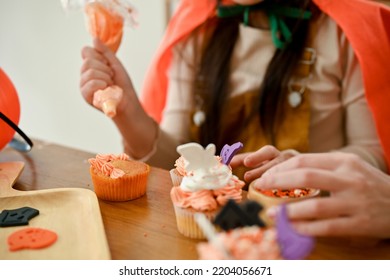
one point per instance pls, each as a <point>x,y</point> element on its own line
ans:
<point>146,228</point>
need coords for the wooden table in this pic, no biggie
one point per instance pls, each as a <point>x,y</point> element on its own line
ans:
<point>146,228</point>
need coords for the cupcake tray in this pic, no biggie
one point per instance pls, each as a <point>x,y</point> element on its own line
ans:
<point>72,213</point>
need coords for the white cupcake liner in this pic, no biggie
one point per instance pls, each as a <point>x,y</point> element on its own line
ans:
<point>186,223</point>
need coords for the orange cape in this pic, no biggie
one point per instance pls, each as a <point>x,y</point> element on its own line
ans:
<point>365,23</point>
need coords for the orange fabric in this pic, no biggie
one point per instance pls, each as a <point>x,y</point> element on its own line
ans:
<point>364,23</point>
<point>367,27</point>
<point>189,15</point>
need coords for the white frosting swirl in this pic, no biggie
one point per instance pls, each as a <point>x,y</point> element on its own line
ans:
<point>212,178</point>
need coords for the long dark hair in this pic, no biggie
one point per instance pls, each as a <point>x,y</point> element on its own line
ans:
<point>212,77</point>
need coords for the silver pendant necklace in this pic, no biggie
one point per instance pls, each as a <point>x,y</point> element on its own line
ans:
<point>295,96</point>
<point>199,117</point>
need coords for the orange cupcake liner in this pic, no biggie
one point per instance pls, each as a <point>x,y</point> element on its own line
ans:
<point>121,189</point>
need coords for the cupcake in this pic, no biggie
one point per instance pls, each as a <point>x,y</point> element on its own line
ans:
<point>274,197</point>
<point>117,178</point>
<point>206,185</point>
<point>246,243</point>
<point>252,241</point>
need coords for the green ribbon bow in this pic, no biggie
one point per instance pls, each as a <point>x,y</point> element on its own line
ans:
<point>281,34</point>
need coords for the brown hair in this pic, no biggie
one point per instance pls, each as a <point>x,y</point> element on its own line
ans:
<point>212,76</point>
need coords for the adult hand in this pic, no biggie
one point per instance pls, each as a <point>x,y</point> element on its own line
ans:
<point>261,160</point>
<point>359,201</point>
<point>100,69</point>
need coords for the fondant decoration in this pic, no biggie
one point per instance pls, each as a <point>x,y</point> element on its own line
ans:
<point>31,238</point>
<point>293,245</point>
<point>235,215</point>
<point>210,233</point>
<point>228,152</point>
<point>207,171</point>
<point>17,217</point>
<point>197,157</point>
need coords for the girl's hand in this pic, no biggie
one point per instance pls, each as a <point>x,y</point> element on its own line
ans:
<point>261,160</point>
<point>359,204</point>
<point>100,69</point>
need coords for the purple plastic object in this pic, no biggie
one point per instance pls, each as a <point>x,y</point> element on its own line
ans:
<point>294,246</point>
<point>228,152</point>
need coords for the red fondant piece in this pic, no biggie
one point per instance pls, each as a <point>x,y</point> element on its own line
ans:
<point>31,238</point>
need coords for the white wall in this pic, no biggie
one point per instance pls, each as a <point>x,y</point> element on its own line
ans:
<point>40,49</point>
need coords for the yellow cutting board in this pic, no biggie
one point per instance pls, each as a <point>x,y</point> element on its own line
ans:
<point>72,213</point>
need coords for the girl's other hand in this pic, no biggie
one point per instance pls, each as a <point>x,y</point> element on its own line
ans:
<point>261,160</point>
<point>359,201</point>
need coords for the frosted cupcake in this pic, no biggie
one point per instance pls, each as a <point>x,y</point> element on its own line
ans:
<point>206,186</point>
<point>253,242</point>
<point>247,243</point>
<point>117,178</point>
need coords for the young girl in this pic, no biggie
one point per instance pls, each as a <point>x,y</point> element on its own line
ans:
<point>275,73</point>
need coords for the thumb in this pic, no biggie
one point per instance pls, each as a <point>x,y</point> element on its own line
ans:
<point>106,51</point>
<point>99,45</point>
<point>120,74</point>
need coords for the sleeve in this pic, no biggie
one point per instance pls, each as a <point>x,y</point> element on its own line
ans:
<point>360,132</point>
<point>175,126</point>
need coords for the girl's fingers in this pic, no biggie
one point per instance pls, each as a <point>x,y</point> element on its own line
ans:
<point>92,53</point>
<point>327,161</point>
<point>265,153</point>
<point>238,160</point>
<point>305,178</point>
<point>90,87</point>
<point>321,208</point>
<point>93,74</point>
<point>259,171</point>
<point>340,226</point>
<point>96,64</point>
<point>107,53</point>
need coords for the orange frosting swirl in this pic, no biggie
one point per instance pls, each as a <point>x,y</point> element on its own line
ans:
<point>107,168</point>
<point>117,173</point>
<point>207,200</point>
<point>102,163</point>
<point>232,191</point>
<point>180,164</point>
<point>248,243</point>
<point>201,200</point>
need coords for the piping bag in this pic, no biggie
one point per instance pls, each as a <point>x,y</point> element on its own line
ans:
<point>105,20</point>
